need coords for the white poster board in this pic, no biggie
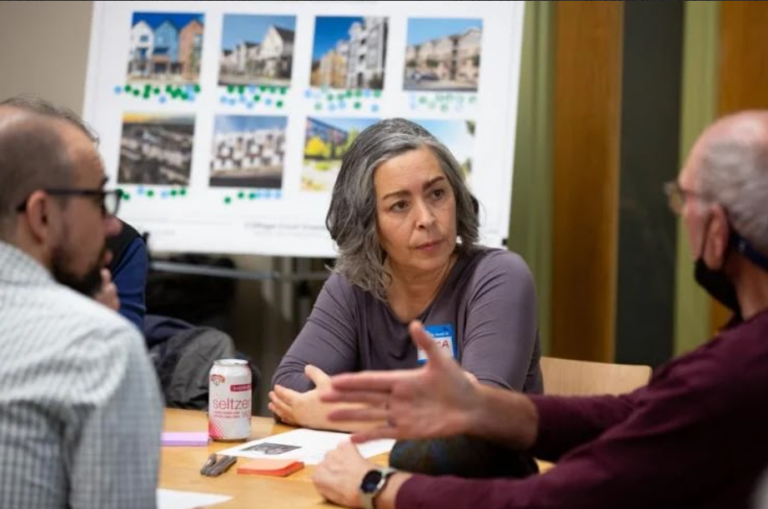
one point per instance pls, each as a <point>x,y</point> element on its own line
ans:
<point>224,122</point>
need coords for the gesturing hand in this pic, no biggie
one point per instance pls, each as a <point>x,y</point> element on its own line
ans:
<point>433,401</point>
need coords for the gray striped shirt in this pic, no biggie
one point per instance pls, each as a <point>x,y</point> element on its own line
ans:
<point>80,409</point>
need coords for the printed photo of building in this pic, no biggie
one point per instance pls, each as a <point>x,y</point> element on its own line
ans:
<point>165,47</point>
<point>156,149</point>
<point>326,142</point>
<point>256,50</point>
<point>248,151</point>
<point>349,52</point>
<point>443,54</point>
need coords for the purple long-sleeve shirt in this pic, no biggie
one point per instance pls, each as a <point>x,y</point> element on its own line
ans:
<point>488,299</point>
<point>694,437</point>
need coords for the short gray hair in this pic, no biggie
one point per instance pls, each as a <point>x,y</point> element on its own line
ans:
<point>351,218</point>
<point>32,156</point>
<point>734,173</point>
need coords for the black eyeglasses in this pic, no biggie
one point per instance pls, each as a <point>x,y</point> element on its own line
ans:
<point>109,201</point>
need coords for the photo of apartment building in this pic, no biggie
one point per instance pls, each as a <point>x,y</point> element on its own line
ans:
<point>248,151</point>
<point>165,48</point>
<point>443,55</point>
<point>156,149</point>
<point>349,52</point>
<point>256,50</point>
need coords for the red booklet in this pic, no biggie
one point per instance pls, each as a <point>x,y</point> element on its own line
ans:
<point>276,467</point>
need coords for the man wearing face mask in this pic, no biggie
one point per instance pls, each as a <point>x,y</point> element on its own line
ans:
<point>80,409</point>
<point>694,437</point>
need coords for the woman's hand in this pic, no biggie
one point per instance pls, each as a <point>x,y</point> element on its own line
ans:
<point>303,408</point>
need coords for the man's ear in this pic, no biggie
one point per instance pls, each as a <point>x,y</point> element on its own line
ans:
<point>37,216</point>
<point>717,234</point>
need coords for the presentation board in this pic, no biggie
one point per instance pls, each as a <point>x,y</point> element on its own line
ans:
<point>224,123</point>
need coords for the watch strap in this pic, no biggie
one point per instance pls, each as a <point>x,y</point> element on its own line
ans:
<point>367,499</point>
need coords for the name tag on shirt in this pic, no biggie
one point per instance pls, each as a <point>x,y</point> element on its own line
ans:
<point>444,337</point>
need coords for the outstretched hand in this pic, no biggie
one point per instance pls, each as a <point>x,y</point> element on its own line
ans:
<point>435,400</point>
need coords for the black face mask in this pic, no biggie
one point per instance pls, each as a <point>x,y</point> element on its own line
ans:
<point>717,285</point>
<point>715,281</point>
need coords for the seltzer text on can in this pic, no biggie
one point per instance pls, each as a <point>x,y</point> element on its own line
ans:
<point>229,403</point>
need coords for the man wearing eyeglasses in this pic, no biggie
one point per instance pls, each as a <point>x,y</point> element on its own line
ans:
<point>80,410</point>
<point>694,437</point>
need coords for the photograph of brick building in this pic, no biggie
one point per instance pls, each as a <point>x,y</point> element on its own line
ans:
<point>156,149</point>
<point>248,151</point>
<point>349,52</point>
<point>443,54</point>
<point>256,50</point>
<point>165,48</point>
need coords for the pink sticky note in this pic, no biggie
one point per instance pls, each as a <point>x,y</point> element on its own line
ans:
<point>184,438</point>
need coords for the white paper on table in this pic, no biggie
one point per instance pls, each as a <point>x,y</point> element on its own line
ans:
<point>306,445</point>
<point>172,499</point>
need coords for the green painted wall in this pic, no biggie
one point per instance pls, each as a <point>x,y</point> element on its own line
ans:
<point>531,222</point>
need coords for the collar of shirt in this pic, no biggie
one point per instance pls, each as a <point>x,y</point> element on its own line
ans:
<point>18,267</point>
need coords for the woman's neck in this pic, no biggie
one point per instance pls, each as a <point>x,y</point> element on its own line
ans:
<point>409,294</point>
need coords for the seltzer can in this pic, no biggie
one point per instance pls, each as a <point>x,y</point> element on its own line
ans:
<point>229,403</point>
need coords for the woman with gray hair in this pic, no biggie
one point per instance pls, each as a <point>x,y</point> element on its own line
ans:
<point>406,227</point>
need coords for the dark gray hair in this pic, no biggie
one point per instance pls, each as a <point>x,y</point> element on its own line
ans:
<point>734,173</point>
<point>351,218</point>
<point>32,156</point>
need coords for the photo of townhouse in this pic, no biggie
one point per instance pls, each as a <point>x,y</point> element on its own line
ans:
<point>326,142</point>
<point>349,53</point>
<point>165,48</point>
<point>156,149</point>
<point>458,136</point>
<point>248,151</point>
<point>256,50</point>
<point>443,54</point>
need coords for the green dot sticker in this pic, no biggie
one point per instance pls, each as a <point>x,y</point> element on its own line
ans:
<point>150,193</point>
<point>174,192</point>
<point>227,200</point>
<point>241,195</point>
<point>183,191</point>
<point>279,104</point>
<point>357,105</point>
<point>252,196</point>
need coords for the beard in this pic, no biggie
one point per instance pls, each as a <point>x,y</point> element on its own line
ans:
<point>87,284</point>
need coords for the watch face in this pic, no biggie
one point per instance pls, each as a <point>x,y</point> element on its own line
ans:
<point>371,481</point>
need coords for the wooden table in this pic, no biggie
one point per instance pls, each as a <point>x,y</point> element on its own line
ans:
<point>180,469</point>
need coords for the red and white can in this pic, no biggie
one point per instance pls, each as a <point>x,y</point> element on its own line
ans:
<point>229,400</point>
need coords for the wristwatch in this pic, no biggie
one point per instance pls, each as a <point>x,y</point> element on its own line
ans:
<point>373,482</point>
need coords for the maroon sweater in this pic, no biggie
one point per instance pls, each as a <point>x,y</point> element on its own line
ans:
<point>695,437</point>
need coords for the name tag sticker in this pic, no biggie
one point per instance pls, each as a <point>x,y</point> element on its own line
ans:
<point>444,337</point>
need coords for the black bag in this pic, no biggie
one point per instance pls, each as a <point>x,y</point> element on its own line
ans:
<point>463,456</point>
